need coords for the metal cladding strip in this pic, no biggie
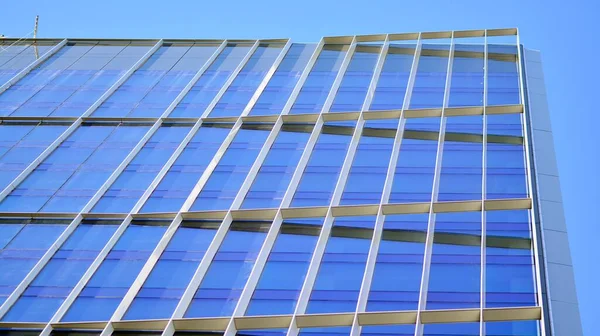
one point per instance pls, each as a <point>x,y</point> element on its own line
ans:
<point>307,69</point>
<point>434,195</point>
<point>263,84</point>
<point>39,266</point>
<point>319,250</point>
<point>339,77</point>
<point>230,79</point>
<point>482,286</point>
<point>75,124</point>
<point>387,187</point>
<point>194,80</point>
<point>33,65</point>
<point>534,193</point>
<point>71,228</point>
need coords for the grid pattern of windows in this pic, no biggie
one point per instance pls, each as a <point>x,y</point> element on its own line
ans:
<point>360,186</point>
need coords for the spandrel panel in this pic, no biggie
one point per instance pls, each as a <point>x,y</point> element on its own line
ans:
<point>455,271</point>
<point>353,89</point>
<point>21,144</point>
<point>281,280</point>
<point>52,285</point>
<point>182,176</point>
<point>323,168</point>
<point>273,177</point>
<point>131,184</point>
<point>226,277</point>
<point>393,80</point>
<point>173,271</point>
<point>111,281</point>
<point>152,88</point>
<point>208,85</point>
<point>238,94</point>
<point>67,179</point>
<point>430,80</point>
<point>510,268</point>
<point>340,274</point>
<point>369,169</point>
<point>29,241</point>
<point>503,75</point>
<point>396,278</point>
<point>280,86</point>
<point>226,179</point>
<point>316,88</point>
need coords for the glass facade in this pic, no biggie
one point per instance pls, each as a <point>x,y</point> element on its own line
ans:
<point>364,186</point>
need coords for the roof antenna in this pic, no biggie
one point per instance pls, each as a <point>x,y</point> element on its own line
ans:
<point>35,29</point>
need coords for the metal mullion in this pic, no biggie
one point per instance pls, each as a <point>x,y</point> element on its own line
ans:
<point>263,84</point>
<point>339,77</point>
<point>434,195</point>
<point>33,65</point>
<point>33,273</point>
<point>387,188</point>
<point>31,167</point>
<point>194,80</point>
<point>527,142</point>
<point>298,87</point>
<point>230,79</point>
<point>482,286</point>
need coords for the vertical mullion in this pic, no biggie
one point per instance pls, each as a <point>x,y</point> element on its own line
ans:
<point>230,79</point>
<point>482,286</point>
<point>263,84</point>
<point>434,195</point>
<point>528,144</point>
<point>71,227</point>
<point>340,75</point>
<point>33,65</point>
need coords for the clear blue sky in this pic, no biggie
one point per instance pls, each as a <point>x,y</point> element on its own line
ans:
<point>564,31</point>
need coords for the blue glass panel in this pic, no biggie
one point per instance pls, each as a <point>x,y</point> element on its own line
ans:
<point>510,273</point>
<point>281,280</point>
<point>388,330</point>
<point>20,145</point>
<point>124,193</point>
<point>369,168</point>
<point>505,124</point>
<point>355,83</point>
<point>320,79</point>
<point>206,88</point>
<point>152,88</point>
<point>262,332</point>
<point>23,250</point>
<point>224,183</point>
<point>70,81</point>
<point>173,271</point>
<point>415,167</point>
<point>104,291</point>
<point>451,329</point>
<point>430,80</point>
<point>455,273</point>
<point>181,178</point>
<point>272,180</point>
<point>512,328</point>
<point>461,173</point>
<point>466,86</point>
<point>397,276</point>
<point>238,94</point>
<point>278,90</point>
<point>340,274</point>
<point>15,57</point>
<point>503,75</point>
<point>393,80</point>
<point>226,277</point>
<point>506,174</point>
<point>323,168</point>
<point>53,284</point>
<point>71,175</point>
<point>325,331</point>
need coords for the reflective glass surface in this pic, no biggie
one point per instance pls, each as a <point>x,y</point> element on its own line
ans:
<point>15,57</point>
<point>393,80</point>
